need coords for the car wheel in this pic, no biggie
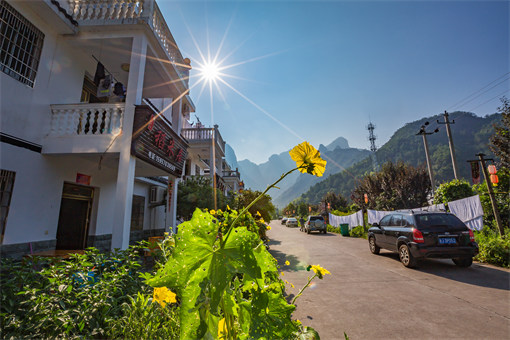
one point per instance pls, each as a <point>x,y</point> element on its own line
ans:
<point>325,231</point>
<point>406,257</point>
<point>463,261</point>
<point>374,249</point>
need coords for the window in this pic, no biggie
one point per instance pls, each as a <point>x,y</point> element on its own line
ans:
<point>408,221</point>
<point>137,210</point>
<point>6,186</point>
<point>20,45</point>
<point>385,221</point>
<point>396,220</point>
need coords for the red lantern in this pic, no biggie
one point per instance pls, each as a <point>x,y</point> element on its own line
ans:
<point>492,169</point>
<point>366,198</point>
<point>494,180</point>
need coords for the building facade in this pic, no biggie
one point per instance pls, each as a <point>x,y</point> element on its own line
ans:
<point>206,157</point>
<point>94,96</point>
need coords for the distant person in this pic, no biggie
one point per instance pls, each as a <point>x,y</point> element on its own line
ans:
<point>302,221</point>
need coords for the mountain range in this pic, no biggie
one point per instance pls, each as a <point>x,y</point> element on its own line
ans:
<point>257,177</point>
<point>470,135</point>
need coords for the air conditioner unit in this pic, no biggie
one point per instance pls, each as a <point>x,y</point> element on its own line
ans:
<point>157,194</point>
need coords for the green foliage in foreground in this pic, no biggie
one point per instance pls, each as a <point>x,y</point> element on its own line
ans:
<point>227,281</point>
<point>494,249</point>
<point>93,295</point>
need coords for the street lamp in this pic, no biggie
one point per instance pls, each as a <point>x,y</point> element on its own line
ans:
<point>423,133</point>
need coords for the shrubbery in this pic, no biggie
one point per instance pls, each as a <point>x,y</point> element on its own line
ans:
<point>93,295</point>
<point>359,231</point>
<point>494,249</point>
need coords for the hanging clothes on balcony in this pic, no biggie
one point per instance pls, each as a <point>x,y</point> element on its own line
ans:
<point>100,73</point>
<point>105,87</point>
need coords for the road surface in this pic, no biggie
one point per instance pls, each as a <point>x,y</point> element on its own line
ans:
<point>375,297</point>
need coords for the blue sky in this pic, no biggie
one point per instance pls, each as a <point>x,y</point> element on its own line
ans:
<point>317,70</point>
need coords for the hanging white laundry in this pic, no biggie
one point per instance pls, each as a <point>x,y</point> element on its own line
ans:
<point>374,216</point>
<point>434,207</point>
<point>468,210</point>
<point>352,220</point>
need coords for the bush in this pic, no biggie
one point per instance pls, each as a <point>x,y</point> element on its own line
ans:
<point>78,297</point>
<point>452,191</point>
<point>494,249</point>
<point>333,229</point>
<point>359,231</point>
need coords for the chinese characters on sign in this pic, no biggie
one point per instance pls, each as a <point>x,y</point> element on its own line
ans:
<point>155,142</point>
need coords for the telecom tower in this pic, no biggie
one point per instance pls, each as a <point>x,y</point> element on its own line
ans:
<point>373,148</point>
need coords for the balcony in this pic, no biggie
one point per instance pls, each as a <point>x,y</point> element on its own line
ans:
<point>122,12</point>
<point>84,128</point>
<point>204,136</point>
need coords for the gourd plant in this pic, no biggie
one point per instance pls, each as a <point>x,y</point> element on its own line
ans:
<point>224,277</point>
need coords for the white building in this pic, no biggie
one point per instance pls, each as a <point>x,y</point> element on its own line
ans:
<point>81,161</point>
<point>206,157</point>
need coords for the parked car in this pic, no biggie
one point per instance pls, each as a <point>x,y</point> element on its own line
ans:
<point>284,220</point>
<point>315,223</point>
<point>420,235</point>
<point>291,222</point>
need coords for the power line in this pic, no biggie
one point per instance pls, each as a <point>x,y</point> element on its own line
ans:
<point>481,89</point>
<point>499,95</point>
<point>469,101</point>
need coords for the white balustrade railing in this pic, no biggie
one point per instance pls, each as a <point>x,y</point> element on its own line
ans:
<point>106,9</point>
<point>86,119</point>
<point>101,11</point>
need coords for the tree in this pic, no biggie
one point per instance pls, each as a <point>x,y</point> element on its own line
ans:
<point>336,202</point>
<point>197,192</point>
<point>396,186</point>
<point>264,206</point>
<point>500,141</point>
<point>502,199</point>
<point>452,191</point>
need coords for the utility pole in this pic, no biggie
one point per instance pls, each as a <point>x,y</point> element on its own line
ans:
<point>491,193</point>
<point>450,141</point>
<point>423,133</point>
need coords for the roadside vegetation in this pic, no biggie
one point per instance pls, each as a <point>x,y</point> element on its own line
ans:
<point>214,279</point>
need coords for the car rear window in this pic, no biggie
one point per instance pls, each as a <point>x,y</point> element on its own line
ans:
<point>315,218</point>
<point>438,220</point>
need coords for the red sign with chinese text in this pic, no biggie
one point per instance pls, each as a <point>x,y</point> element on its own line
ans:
<point>155,142</point>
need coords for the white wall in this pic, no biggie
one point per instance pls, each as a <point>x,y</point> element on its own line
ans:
<point>37,192</point>
<point>59,80</point>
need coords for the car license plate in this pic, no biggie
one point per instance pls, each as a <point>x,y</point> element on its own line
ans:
<point>447,240</point>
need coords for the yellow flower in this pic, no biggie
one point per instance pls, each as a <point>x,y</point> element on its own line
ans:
<point>162,295</point>
<point>308,159</point>
<point>268,228</point>
<point>319,271</point>
<point>258,214</point>
<point>212,212</point>
<point>228,208</point>
<point>261,220</point>
<point>287,263</point>
<point>283,274</point>
<point>219,211</point>
<point>287,282</point>
<point>292,285</point>
<point>222,329</point>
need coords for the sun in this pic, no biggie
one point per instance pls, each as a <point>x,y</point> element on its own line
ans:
<point>210,71</point>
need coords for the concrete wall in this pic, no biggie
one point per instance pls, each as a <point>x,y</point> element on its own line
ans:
<point>59,80</point>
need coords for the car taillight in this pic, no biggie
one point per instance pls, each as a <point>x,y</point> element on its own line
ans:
<point>471,236</point>
<point>417,236</point>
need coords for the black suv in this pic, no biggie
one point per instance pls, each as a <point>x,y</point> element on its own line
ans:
<point>419,235</point>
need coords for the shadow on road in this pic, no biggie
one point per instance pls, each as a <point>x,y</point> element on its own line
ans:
<point>281,258</point>
<point>475,275</point>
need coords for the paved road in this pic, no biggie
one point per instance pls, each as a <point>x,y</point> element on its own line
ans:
<point>376,297</point>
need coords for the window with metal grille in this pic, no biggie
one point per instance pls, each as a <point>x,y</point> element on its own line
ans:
<point>6,185</point>
<point>20,45</point>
